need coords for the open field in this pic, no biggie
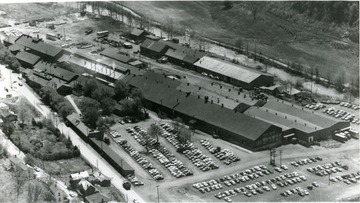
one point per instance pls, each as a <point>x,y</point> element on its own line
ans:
<point>275,36</point>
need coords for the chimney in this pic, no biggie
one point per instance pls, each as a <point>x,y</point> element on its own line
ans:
<point>212,101</point>
<point>198,96</point>
<point>199,88</point>
<point>222,105</point>
<point>235,110</point>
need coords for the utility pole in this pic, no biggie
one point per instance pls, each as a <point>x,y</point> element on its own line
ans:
<point>280,157</point>
<point>158,198</point>
<point>329,179</point>
<point>272,157</point>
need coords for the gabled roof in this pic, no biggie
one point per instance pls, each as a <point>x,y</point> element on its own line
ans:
<point>181,55</point>
<point>75,120</point>
<point>11,39</point>
<point>146,43</point>
<point>151,78</point>
<point>85,184</point>
<point>54,70</point>
<point>137,32</point>
<point>38,45</point>
<point>80,175</point>
<point>16,47</point>
<point>122,163</point>
<point>228,69</point>
<point>27,57</point>
<point>222,117</point>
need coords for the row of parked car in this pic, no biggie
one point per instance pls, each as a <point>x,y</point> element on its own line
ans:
<point>350,106</point>
<point>155,173</point>
<point>306,161</point>
<point>298,190</point>
<point>316,106</point>
<point>194,154</point>
<point>115,134</point>
<point>343,115</point>
<point>134,180</point>
<point>176,167</point>
<point>225,155</point>
<point>236,178</point>
<point>326,169</point>
<point>349,178</point>
<point>262,186</point>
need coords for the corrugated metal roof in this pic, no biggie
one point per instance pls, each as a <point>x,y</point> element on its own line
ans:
<point>227,69</point>
<point>27,57</point>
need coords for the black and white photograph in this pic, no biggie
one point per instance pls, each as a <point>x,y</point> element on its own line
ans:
<point>179,101</point>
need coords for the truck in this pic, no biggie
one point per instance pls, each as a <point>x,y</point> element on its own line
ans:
<point>339,137</point>
<point>51,36</point>
<point>104,33</point>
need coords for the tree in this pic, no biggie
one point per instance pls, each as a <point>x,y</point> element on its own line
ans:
<point>8,128</point>
<point>102,125</point>
<point>23,112</point>
<point>228,5</point>
<point>90,109</point>
<point>339,82</point>
<point>177,124</point>
<point>65,109</point>
<point>29,159</point>
<point>184,135</point>
<point>121,90</point>
<point>107,105</point>
<point>89,87</point>
<point>255,6</point>
<point>34,192</point>
<point>154,131</point>
<point>99,93</point>
<point>239,43</point>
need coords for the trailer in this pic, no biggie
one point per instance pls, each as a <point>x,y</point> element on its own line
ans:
<point>51,36</point>
<point>104,33</point>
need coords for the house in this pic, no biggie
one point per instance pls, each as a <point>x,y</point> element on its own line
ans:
<point>86,188</point>
<point>59,194</point>
<point>26,59</point>
<point>138,35</point>
<point>80,128</point>
<point>234,74</point>
<point>275,90</point>
<point>100,179</point>
<point>97,198</point>
<point>36,46</point>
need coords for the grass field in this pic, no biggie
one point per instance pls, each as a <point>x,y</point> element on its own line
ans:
<point>275,37</point>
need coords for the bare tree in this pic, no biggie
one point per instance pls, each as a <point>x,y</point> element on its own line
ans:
<point>23,112</point>
<point>255,6</point>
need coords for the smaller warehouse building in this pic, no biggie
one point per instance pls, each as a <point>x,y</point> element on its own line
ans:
<point>153,49</point>
<point>36,46</point>
<point>138,35</point>
<point>26,59</point>
<point>233,74</point>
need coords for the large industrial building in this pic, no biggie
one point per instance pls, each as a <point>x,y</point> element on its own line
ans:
<point>233,74</point>
<point>161,94</point>
<point>304,125</point>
